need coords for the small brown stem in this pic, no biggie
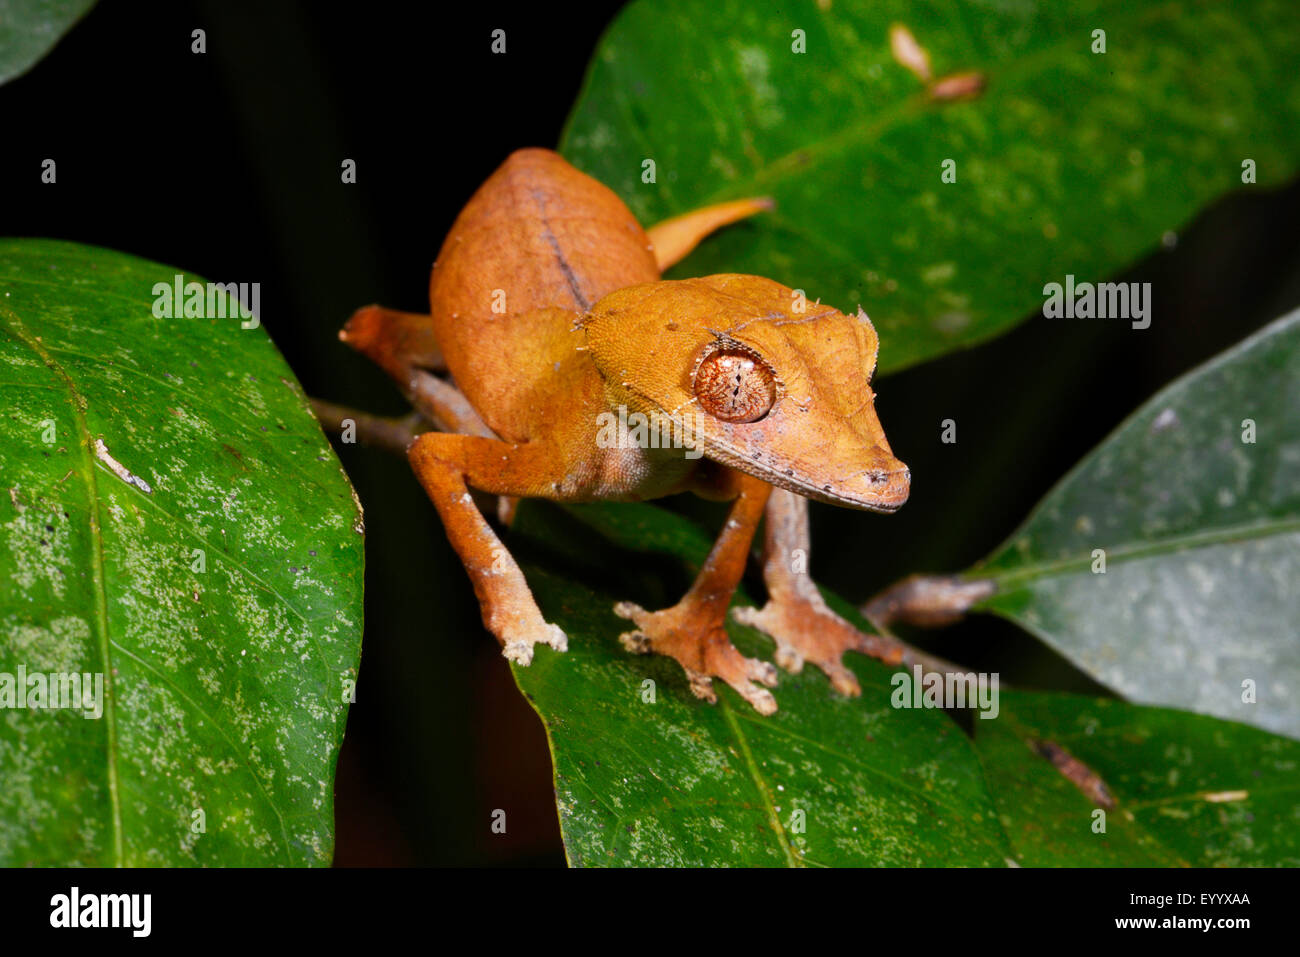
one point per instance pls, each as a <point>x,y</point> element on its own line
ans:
<point>396,433</point>
<point>928,662</point>
<point>391,433</point>
<point>928,601</point>
<point>1076,772</point>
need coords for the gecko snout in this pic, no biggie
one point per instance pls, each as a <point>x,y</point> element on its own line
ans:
<point>885,487</point>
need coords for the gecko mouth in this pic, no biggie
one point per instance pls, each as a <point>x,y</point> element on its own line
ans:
<point>886,492</point>
<point>871,490</point>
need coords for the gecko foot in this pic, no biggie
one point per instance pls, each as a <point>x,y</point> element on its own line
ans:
<point>518,642</point>
<point>804,629</point>
<point>702,649</point>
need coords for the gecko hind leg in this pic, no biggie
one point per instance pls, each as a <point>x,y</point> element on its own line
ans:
<point>404,346</point>
<point>397,341</point>
<point>796,616</point>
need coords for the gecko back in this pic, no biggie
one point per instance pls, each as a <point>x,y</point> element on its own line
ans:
<point>535,247</point>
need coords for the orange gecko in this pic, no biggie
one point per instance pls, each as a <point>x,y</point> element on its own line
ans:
<point>550,330</point>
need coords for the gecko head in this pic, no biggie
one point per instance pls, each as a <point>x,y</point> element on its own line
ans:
<point>758,378</point>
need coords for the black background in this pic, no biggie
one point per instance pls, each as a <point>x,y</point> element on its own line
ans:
<point>227,165</point>
<point>348,908</point>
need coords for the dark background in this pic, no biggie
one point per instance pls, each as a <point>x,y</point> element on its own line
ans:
<point>227,165</point>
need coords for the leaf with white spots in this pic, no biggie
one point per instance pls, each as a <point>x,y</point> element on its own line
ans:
<point>1174,789</point>
<point>1066,161</point>
<point>649,775</point>
<point>172,521</point>
<point>1193,503</point>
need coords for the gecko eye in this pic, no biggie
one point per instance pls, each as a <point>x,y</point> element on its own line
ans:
<point>734,386</point>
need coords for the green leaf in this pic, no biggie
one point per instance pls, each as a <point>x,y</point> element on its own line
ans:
<point>171,519</point>
<point>679,782</point>
<point>29,29</point>
<point>1070,162</point>
<point>1195,500</point>
<point>1188,790</point>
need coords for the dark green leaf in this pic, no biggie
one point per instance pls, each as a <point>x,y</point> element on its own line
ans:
<point>29,29</point>
<point>1186,789</point>
<point>1200,527</point>
<point>679,782</point>
<point>172,519</point>
<point>1070,162</point>
<point>682,782</point>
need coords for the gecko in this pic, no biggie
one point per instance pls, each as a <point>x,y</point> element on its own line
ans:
<point>551,330</point>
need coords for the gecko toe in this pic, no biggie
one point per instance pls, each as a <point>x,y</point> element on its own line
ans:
<point>520,652</point>
<point>629,610</point>
<point>701,686</point>
<point>759,698</point>
<point>519,647</point>
<point>762,671</point>
<point>637,642</point>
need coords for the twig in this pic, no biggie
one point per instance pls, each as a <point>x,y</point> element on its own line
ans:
<point>391,433</point>
<point>928,601</point>
<point>928,662</point>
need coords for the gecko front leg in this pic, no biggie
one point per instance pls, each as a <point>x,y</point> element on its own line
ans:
<point>447,465</point>
<point>795,615</point>
<point>694,630</point>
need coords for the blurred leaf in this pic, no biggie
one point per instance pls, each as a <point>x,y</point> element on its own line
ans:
<point>1201,533</point>
<point>130,445</point>
<point>29,29</point>
<point>679,782</point>
<point>1187,789</point>
<point>1070,162</point>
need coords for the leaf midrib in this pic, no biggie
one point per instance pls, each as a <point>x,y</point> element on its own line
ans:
<point>1170,396</point>
<point>99,587</point>
<point>769,802</point>
<point>1012,579</point>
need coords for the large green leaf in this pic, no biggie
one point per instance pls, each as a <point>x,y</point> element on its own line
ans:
<point>1186,789</point>
<point>1200,528</point>
<point>1070,162</point>
<point>173,519</point>
<point>675,781</point>
<point>29,29</point>
<point>681,782</point>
